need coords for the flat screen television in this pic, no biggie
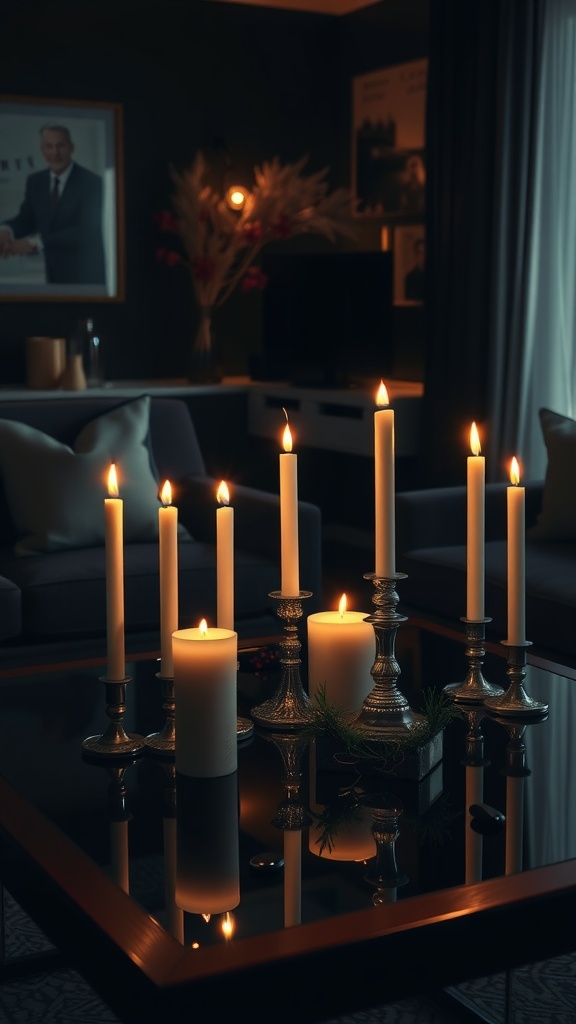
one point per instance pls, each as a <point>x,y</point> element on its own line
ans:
<point>327,318</point>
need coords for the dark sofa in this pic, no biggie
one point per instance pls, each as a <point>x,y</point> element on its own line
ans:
<point>431,542</point>
<point>52,603</point>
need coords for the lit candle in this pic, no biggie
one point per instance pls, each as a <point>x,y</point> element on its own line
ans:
<point>224,559</point>
<point>205,700</point>
<point>113,512</point>
<point>290,569</point>
<point>516,559</point>
<point>384,487</point>
<point>168,549</point>
<point>341,652</point>
<point>475,530</point>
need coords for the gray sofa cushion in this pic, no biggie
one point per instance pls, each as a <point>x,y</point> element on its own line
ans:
<point>10,609</point>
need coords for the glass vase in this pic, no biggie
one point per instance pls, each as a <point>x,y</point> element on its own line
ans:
<point>204,364</point>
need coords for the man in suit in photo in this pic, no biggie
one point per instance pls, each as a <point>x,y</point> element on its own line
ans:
<point>60,216</point>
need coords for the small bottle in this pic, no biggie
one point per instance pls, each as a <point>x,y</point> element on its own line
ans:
<point>86,340</point>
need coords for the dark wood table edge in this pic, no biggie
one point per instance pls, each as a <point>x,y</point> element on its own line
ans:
<point>378,955</point>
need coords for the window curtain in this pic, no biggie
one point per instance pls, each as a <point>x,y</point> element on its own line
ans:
<point>501,230</point>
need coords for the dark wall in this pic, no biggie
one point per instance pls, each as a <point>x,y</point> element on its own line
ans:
<point>189,74</point>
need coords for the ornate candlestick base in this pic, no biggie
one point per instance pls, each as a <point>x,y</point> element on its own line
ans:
<point>385,714</point>
<point>163,743</point>
<point>290,707</point>
<point>115,741</point>
<point>475,688</point>
<point>516,701</point>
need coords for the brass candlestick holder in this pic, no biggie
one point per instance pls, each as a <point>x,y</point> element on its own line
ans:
<point>515,701</point>
<point>475,687</point>
<point>385,714</point>
<point>163,742</point>
<point>115,741</point>
<point>290,707</point>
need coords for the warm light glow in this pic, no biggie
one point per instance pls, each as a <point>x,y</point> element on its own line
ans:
<point>206,917</point>
<point>113,482</point>
<point>228,927</point>
<point>382,395</point>
<point>514,471</point>
<point>475,440</point>
<point>342,606</point>
<point>236,196</point>
<point>195,945</point>
<point>223,494</point>
<point>166,493</point>
<point>204,628</point>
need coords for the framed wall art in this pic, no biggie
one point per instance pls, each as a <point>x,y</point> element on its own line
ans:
<point>409,250</point>
<point>388,141</point>
<point>61,200</point>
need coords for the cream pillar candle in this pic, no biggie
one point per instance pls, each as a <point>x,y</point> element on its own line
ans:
<point>205,697</point>
<point>290,569</point>
<point>516,558</point>
<point>475,530</point>
<point>384,524</point>
<point>114,540</point>
<point>168,553</point>
<point>224,559</point>
<point>292,878</point>
<point>341,653</point>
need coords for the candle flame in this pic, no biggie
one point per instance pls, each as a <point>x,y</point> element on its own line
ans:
<point>342,606</point>
<point>514,472</point>
<point>206,917</point>
<point>166,493</point>
<point>475,440</point>
<point>203,628</point>
<point>223,494</point>
<point>382,395</point>
<point>228,926</point>
<point>287,439</point>
<point>113,491</point>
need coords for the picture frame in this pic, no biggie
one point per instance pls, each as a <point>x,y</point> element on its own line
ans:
<point>409,258</point>
<point>388,141</point>
<point>73,250</point>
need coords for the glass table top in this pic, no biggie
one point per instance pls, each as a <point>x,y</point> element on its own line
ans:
<point>295,837</point>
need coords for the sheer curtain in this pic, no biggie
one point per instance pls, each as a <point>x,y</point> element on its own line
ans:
<point>501,230</point>
<point>533,340</point>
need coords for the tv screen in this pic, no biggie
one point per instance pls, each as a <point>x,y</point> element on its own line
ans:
<point>327,317</point>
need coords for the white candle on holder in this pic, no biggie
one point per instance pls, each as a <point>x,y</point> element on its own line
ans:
<point>384,525</point>
<point>205,697</point>
<point>290,569</point>
<point>114,539</point>
<point>341,653</point>
<point>475,530</point>
<point>168,554</point>
<point>224,559</point>
<point>516,558</point>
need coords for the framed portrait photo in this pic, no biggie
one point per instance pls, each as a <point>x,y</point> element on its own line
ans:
<point>61,200</point>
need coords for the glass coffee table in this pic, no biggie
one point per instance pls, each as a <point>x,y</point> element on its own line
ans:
<point>302,887</point>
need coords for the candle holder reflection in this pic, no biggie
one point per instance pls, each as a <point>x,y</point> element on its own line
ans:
<point>163,742</point>
<point>292,816</point>
<point>290,706</point>
<point>385,713</point>
<point>475,763</point>
<point>475,687</point>
<point>382,872</point>
<point>174,913</point>
<point>515,701</point>
<point>115,741</point>
<point>118,816</point>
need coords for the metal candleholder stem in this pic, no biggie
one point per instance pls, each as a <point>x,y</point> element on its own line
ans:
<point>115,741</point>
<point>475,687</point>
<point>385,713</point>
<point>164,742</point>
<point>515,701</point>
<point>290,707</point>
